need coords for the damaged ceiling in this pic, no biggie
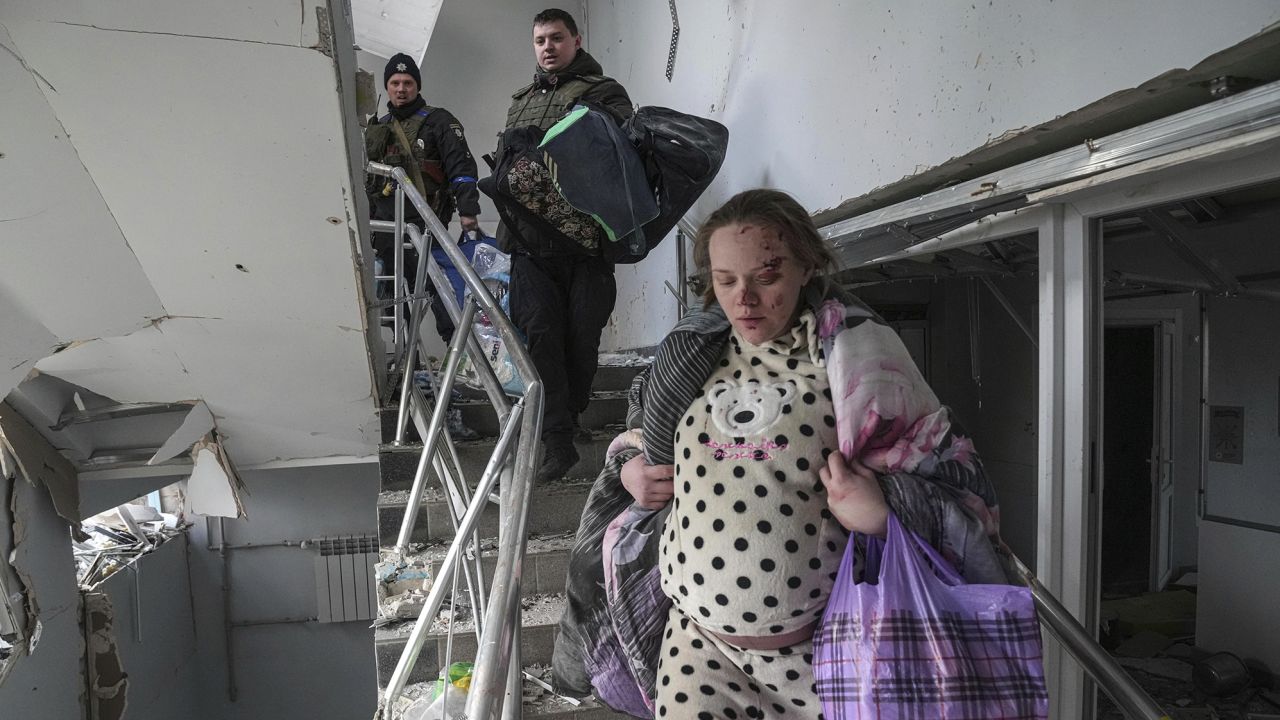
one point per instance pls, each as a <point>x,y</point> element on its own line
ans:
<point>386,28</point>
<point>177,222</point>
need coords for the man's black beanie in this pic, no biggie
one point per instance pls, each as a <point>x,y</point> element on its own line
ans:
<point>401,63</point>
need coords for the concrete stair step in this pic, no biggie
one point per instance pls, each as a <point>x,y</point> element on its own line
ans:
<point>611,382</point>
<point>540,618</point>
<point>538,703</point>
<point>556,509</point>
<point>546,562</point>
<point>397,463</point>
<point>606,407</point>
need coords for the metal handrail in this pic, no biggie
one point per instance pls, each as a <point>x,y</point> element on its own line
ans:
<point>1133,701</point>
<point>495,678</point>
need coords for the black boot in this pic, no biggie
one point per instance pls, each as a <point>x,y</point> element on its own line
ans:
<point>580,434</point>
<point>557,459</point>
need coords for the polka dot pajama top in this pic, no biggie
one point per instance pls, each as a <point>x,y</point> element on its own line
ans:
<point>750,549</point>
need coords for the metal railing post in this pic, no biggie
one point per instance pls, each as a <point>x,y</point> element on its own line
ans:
<point>521,426</point>
<point>397,247</point>
<point>432,438</point>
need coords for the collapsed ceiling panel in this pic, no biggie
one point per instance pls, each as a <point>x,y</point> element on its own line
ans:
<point>385,28</point>
<point>182,167</point>
<point>23,340</point>
<point>112,367</point>
<point>279,22</point>
<point>221,169</point>
<point>50,212</point>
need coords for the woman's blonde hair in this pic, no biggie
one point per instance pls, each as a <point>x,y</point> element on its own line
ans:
<point>767,208</point>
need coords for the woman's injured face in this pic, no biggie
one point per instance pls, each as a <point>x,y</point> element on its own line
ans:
<point>756,279</point>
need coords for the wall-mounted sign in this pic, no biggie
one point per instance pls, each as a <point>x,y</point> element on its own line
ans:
<point>1226,434</point>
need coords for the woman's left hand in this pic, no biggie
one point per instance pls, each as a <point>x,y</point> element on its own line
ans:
<point>854,496</point>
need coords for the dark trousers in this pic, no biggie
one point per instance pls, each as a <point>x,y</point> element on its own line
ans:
<point>561,304</point>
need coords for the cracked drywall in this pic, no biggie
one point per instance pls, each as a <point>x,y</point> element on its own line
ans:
<point>173,34</point>
<point>30,69</point>
<point>40,463</point>
<point>108,681</point>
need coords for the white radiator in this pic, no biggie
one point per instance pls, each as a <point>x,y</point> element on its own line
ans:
<point>344,578</point>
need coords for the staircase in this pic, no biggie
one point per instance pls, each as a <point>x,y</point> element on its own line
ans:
<point>553,520</point>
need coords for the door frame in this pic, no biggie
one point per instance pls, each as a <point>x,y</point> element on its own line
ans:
<point>1167,408</point>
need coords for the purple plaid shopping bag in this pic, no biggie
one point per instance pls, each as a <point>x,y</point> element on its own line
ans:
<point>922,644</point>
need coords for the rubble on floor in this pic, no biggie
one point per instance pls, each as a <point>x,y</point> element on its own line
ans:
<point>109,541</point>
<point>536,695</point>
<point>1152,636</point>
<point>403,584</point>
<point>628,359</point>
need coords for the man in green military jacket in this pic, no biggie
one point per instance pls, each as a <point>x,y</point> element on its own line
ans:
<point>561,294</point>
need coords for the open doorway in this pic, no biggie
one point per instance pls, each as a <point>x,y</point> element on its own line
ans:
<point>1140,412</point>
<point>1129,412</point>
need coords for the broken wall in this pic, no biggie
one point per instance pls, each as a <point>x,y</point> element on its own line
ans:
<point>1238,584</point>
<point>830,100</point>
<point>49,683</point>
<point>155,634</point>
<point>284,666</point>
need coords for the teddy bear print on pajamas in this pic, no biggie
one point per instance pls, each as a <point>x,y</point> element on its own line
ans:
<point>750,550</point>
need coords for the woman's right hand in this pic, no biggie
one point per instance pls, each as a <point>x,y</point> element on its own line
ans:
<point>651,485</point>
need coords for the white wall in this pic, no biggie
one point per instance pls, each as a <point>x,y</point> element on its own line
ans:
<point>1238,584</point>
<point>292,671</point>
<point>1243,372</point>
<point>830,100</point>
<point>1236,602</point>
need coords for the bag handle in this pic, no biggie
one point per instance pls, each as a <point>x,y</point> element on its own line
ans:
<point>899,541</point>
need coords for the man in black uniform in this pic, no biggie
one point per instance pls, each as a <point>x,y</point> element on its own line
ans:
<point>561,293</point>
<point>429,144</point>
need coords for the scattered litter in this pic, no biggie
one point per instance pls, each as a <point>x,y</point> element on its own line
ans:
<point>113,539</point>
<point>403,584</point>
<point>445,702</point>
<point>623,360</point>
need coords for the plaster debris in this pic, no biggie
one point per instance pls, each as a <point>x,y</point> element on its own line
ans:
<point>624,360</point>
<point>214,486</point>
<point>402,587</point>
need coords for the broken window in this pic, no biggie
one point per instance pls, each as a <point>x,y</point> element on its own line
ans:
<point>109,541</point>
